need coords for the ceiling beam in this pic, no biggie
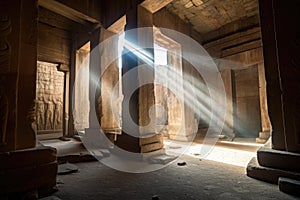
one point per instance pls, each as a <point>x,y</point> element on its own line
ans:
<point>67,12</point>
<point>155,5</point>
<point>118,26</point>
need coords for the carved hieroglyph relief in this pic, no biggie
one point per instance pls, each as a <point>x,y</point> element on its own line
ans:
<point>5,49</point>
<point>49,97</point>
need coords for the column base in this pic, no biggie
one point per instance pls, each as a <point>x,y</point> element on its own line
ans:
<point>152,143</point>
<point>267,174</point>
<point>263,137</point>
<point>276,166</point>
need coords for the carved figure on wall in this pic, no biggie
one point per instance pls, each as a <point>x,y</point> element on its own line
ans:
<point>40,105</point>
<point>58,113</point>
<point>3,114</point>
<point>49,113</point>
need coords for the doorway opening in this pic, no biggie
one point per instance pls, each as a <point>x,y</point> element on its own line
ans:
<point>81,105</point>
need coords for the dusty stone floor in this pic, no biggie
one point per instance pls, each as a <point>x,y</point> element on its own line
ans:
<point>198,179</point>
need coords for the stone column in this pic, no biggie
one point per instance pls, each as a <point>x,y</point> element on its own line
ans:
<point>110,102</point>
<point>18,22</point>
<point>66,104</point>
<point>94,77</point>
<point>151,139</point>
<point>281,47</point>
<point>265,122</point>
<point>182,124</point>
<point>226,75</point>
<point>69,130</point>
<point>81,89</point>
<point>281,52</point>
<point>127,141</point>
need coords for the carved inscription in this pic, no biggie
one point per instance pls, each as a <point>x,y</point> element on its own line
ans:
<point>49,97</point>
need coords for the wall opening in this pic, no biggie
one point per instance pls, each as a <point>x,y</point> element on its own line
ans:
<point>81,105</point>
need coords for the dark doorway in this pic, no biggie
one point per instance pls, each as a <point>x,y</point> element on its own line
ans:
<point>247,122</point>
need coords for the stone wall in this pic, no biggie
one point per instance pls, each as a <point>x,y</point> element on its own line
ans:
<point>49,97</point>
<point>242,69</point>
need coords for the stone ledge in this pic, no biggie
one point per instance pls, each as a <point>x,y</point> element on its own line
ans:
<point>289,186</point>
<point>269,157</point>
<point>268,174</point>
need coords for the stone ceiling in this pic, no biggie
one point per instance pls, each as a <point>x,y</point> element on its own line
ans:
<point>209,15</point>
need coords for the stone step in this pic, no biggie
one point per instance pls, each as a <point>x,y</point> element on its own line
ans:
<point>289,186</point>
<point>264,135</point>
<point>151,147</point>
<point>267,174</point>
<point>151,139</point>
<point>269,157</point>
<point>148,155</point>
<point>260,140</point>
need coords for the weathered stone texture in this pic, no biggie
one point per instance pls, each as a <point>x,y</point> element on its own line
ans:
<point>111,88</point>
<point>49,97</point>
<point>81,93</point>
<point>206,16</point>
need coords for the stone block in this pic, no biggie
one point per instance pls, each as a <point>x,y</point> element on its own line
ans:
<point>289,186</point>
<point>151,147</point>
<point>268,174</point>
<point>162,159</point>
<point>28,167</point>
<point>269,157</point>
<point>152,139</point>
<point>260,140</point>
<point>148,155</point>
<point>264,135</point>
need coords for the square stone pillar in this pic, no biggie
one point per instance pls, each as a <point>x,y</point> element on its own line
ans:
<point>182,123</point>
<point>18,56</point>
<point>151,139</point>
<point>265,122</point>
<point>281,55</point>
<point>226,75</point>
<point>111,92</point>
<point>281,47</point>
<point>127,141</point>
<point>94,78</point>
